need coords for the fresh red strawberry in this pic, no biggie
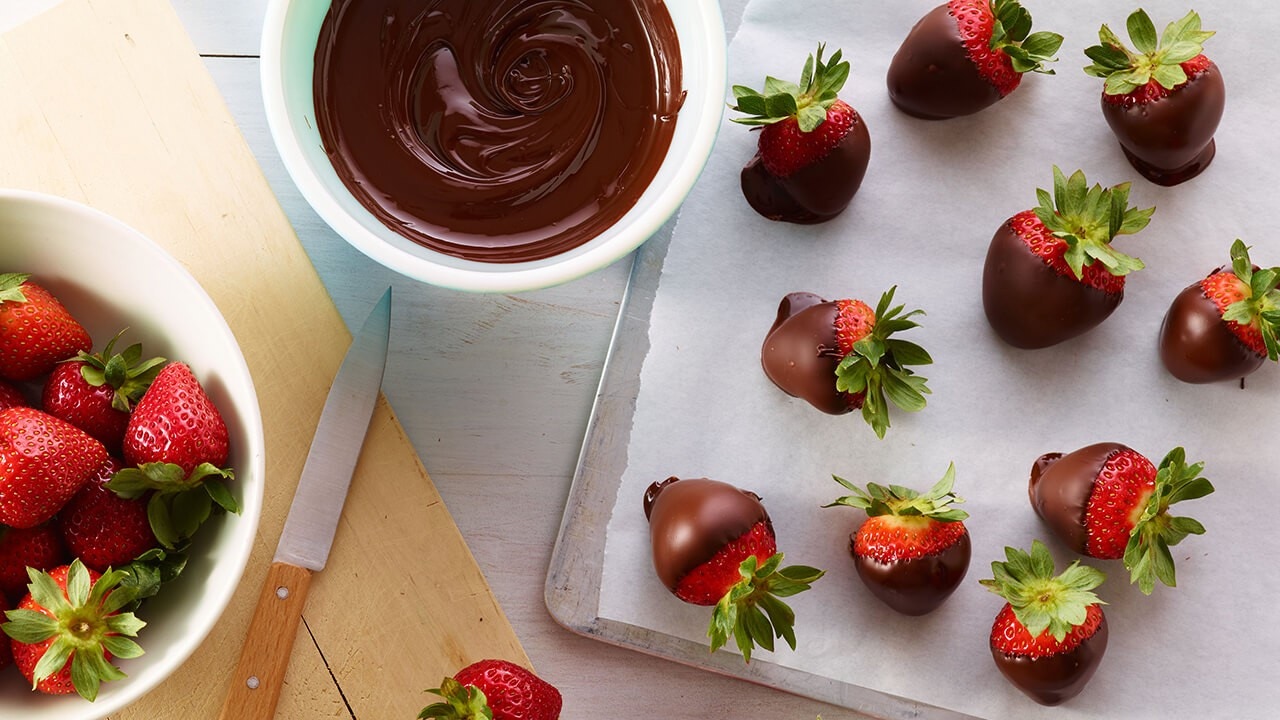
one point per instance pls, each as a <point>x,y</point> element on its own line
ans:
<point>72,614</point>
<point>103,529</point>
<point>11,396</point>
<point>43,462</point>
<point>813,148</point>
<point>1164,101</point>
<point>912,551</point>
<point>495,690</point>
<point>36,331</point>
<point>96,392</point>
<point>841,356</point>
<point>1225,326</point>
<point>964,55</point>
<point>1050,636</point>
<point>178,440</point>
<point>1108,501</point>
<point>6,648</point>
<point>1051,273</point>
<point>714,544</point>
<point>39,547</point>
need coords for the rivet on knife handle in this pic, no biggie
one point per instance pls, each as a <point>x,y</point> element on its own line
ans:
<point>259,675</point>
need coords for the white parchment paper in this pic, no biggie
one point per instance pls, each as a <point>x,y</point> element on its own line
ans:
<point>934,194</point>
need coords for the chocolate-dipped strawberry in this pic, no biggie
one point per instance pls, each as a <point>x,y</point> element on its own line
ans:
<point>1108,501</point>
<point>1051,633</point>
<point>964,55</point>
<point>813,148</point>
<point>1163,102</point>
<point>713,544</point>
<point>840,356</point>
<point>1225,326</point>
<point>1051,273</point>
<point>912,551</point>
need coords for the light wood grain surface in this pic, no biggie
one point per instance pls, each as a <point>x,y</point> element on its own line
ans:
<point>494,392</point>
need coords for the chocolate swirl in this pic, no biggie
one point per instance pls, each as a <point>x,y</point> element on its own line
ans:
<point>497,130</point>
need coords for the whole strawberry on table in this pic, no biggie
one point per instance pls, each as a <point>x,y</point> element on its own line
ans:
<point>813,148</point>
<point>964,56</point>
<point>1051,273</point>
<point>1225,326</point>
<point>913,549</point>
<point>714,544</point>
<point>1163,102</point>
<point>1050,636</point>
<point>494,690</point>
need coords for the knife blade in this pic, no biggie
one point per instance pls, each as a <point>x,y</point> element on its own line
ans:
<point>308,532</point>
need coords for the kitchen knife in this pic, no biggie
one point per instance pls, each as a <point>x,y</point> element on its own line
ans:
<point>313,519</point>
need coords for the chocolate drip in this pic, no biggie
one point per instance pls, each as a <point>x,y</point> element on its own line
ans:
<point>1029,304</point>
<point>931,75</point>
<point>1060,487</point>
<point>1054,679</point>
<point>1196,345</point>
<point>799,352</point>
<point>916,586</point>
<point>691,520</point>
<point>497,130</point>
<point>1170,140</point>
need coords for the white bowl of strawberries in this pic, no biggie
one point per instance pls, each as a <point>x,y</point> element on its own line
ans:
<point>130,488</point>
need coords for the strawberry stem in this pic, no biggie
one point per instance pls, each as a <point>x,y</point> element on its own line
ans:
<point>878,364</point>
<point>819,87</point>
<point>901,501</point>
<point>1040,600</point>
<point>1260,306</point>
<point>751,612</point>
<point>1159,59</point>
<point>1087,219</point>
<point>1147,555</point>
<point>1011,34</point>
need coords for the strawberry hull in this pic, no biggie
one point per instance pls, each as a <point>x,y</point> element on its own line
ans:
<point>1196,346</point>
<point>1029,304</point>
<point>816,192</point>
<point>932,77</point>
<point>1054,679</point>
<point>916,586</point>
<point>1060,487</point>
<point>1169,140</point>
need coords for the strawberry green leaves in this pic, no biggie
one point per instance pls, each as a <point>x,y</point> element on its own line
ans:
<point>180,503</point>
<point>1156,59</point>
<point>877,367</point>
<point>84,623</point>
<point>1040,600</point>
<point>1147,555</point>
<point>818,90</point>
<point>1088,219</point>
<point>751,612</point>
<point>1261,303</point>
<point>125,371</point>
<point>1027,51</point>
<point>461,702</point>
<point>903,501</point>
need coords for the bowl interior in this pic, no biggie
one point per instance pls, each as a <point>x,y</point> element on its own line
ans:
<point>110,276</point>
<point>288,62</point>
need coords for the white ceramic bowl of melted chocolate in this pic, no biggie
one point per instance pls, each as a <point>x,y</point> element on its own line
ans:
<point>374,210</point>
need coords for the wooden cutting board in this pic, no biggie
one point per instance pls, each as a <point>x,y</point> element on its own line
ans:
<point>108,103</point>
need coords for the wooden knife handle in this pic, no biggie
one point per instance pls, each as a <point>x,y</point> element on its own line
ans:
<point>259,675</point>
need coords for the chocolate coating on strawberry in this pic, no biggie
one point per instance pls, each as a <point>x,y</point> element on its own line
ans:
<point>1225,326</point>
<point>691,520</point>
<point>1163,102</point>
<point>957,60</point>
<point>813,148</point>
<point>1054,679</point>
<point>1051,273</point>
<point>1060,488</point>
<point>839,356</point>
<point>1049,637</point>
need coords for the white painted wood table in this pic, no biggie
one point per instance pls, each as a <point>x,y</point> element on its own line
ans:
<point>495,392</point>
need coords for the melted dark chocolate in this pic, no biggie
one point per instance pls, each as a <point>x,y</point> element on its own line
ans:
<point>497,130</point>
<point>931,75</point>
<point>1029,304</point>
<point>817,192</point>
<point>800,352</point>
<point>1060,487</point>
<point>917,586</point>
<point>1197,347</point>
<point>1170,140</point>
<point>1054,679</point>
<point>691,520</point>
